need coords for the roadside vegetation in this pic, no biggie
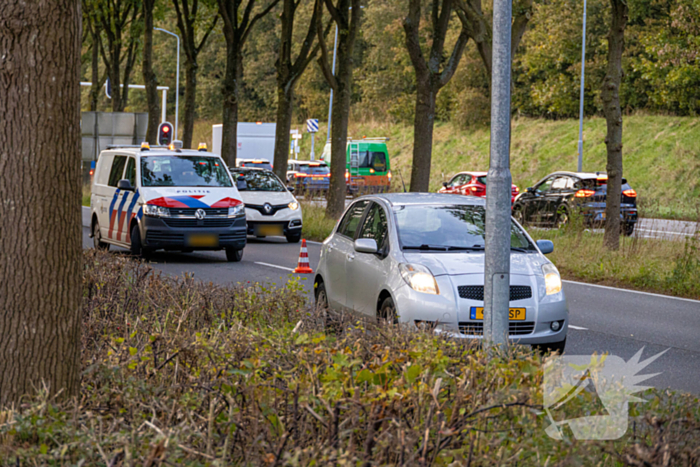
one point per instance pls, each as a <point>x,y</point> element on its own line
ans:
<point>180,372</point>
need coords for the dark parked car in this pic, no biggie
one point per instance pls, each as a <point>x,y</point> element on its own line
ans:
<point>554,198</point>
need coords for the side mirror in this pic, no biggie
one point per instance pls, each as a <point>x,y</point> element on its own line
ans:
<point>530,189</point>
<point>366,245</point>
<point>545,246</point>
<point>125,185</point>
<point>290,189</point>
<point>445,184</point>
<point>241,184</point>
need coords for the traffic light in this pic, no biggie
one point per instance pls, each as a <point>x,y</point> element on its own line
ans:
<point>165,134</point>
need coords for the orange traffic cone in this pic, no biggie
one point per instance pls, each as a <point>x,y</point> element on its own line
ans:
<point>303,266</point>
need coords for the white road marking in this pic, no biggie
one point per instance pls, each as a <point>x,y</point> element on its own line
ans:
<point>578,328</point>
<point>633,291</point>
<point>314,243</point>
<point>275,266</point>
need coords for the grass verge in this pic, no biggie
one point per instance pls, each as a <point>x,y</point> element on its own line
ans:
<point>316,226</point>
<point>177,372</point>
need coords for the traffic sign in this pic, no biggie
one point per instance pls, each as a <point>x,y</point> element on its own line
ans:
<point>312,125</point>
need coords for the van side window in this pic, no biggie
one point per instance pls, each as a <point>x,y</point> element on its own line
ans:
<point>117,170</point>
<point>104,164</point>
<point>130,173</point>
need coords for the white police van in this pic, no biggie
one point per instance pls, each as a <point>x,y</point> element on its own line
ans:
<point>146,199</point>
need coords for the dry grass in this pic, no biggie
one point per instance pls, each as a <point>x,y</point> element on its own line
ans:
<point>178,372</point>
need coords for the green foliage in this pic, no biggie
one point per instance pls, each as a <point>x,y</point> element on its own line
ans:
<point>177,372</point>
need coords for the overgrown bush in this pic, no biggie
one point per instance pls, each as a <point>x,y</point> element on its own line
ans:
<point>180,372</point>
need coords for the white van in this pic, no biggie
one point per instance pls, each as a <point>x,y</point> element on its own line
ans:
<point>146,199</point>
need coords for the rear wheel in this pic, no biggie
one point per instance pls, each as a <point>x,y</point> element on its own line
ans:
<point>293,237</point>
<point>562,217</point>
<point>627,229</point>
<point>137,248</point>
<point>97,237</point>
<point>234,255</point>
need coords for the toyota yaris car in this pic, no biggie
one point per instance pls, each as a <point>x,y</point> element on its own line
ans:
<point>419,259</point>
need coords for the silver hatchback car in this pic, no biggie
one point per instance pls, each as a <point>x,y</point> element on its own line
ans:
<point>419,258</point>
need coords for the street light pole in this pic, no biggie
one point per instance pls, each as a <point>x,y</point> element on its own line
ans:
<point>330,102</point>
<point>177,76</point>
<point>498,186</point>
<point>583,68</point>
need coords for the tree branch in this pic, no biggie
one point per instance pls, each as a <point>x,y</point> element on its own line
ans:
<point>456,56</point>
<point>323,60</point>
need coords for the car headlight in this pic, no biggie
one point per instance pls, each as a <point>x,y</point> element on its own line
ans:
<point>156,211</point>
<point>237,210</point>
<point>293,205</point>
<point>419,278</point>
<point>552,279</point>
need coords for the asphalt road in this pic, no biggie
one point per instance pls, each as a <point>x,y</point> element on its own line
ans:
<point>602,319</point>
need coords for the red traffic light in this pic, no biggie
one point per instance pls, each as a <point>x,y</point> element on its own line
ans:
<point>166,129</point>
<point>165,134</point>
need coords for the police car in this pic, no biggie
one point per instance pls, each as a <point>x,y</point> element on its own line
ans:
<point>150,198</point>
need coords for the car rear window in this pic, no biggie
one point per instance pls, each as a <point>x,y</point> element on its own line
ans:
<point>320,169</point>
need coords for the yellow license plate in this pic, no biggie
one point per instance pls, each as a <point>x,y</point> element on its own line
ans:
<point>269,230</point>
<point>203,240</point>
<point>514,314</point>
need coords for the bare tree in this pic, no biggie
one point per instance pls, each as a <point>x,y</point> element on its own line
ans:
<point>479,27</point>
<point>431,75</point>
<point>40,265</point>
<point>189,15</point>
<point>288,73</point>
<point>346,15</point>
<point>120,23</point>
<point>150,80</point>
<point>237,27</point>
<point>613,116</point>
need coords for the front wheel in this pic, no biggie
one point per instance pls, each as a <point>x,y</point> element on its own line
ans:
<point>137,248</point>
<point>387,311</point>
<point>293,237</point>
<point>627,229</point>
<point>562,217</point>
<point>234,255</point>
<point>97,237</point>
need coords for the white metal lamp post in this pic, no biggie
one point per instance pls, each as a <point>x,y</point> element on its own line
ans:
<point>583,68</point>
<point>177,76</point>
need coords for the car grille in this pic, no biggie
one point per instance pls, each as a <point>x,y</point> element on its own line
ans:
<point>476,292</point>
<point>232,237</point>
<point>273,209</point>
<point>206,222</point>
<point>189,212</point>
<point>163,237</point>
<point>476,328</point>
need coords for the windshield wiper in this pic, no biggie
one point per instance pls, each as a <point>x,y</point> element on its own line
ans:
<point>466,248</point>
<point>425,247</point>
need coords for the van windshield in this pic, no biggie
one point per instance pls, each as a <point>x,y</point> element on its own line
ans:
<point>184,171</point>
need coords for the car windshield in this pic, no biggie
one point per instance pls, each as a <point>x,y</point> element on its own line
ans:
<point>184,171</point>
<point>449,228</point>
<point>259,180</point>
<point>320,169</point>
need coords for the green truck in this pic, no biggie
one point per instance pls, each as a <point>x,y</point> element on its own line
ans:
<point>367,165</point>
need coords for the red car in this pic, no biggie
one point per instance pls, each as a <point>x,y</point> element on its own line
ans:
<point>471,184</point>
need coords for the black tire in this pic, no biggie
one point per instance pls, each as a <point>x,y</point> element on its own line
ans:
<point>627,229</point>
<point>321,296</point>
<point>550,348</point>
<point>294,237</point>
<point>137,248</point>
<point>234,255</point>
<point>562,217</point>
<point>97,237</point>
<point>387,311</point>
<point>518,215</point>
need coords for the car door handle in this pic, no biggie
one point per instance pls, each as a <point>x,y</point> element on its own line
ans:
<point>351,257</point>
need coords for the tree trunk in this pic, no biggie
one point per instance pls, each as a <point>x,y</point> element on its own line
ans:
<point>114,77</point>
<point>423,137</point>
<point>613,116</point>
<point>229,130</point>
<point>285,100</point>
<point>40,233</point>
<point>190,102</point>
<point>339,138</point>
<point>149,77</point>
<point>95,88</point>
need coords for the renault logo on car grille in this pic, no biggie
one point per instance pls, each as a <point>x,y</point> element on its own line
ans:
<point>267,208</point>
<point>200,214</point>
